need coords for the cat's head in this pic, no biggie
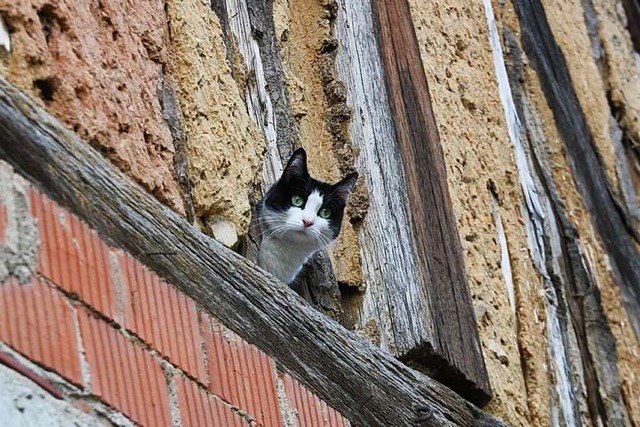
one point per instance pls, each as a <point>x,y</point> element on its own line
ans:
<point>303,210</point>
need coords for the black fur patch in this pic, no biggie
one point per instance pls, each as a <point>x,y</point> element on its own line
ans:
<point>296,181</point>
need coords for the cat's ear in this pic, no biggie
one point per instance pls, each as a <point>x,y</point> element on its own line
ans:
<point>297,164</point>
<point>344,188</point>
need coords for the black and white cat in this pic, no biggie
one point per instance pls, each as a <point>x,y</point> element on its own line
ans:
<point>299,216</point>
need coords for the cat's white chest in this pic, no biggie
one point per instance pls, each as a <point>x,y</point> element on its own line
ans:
<point>283,259</point>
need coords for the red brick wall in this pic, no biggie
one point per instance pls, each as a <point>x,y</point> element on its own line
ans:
<point>98,318</point>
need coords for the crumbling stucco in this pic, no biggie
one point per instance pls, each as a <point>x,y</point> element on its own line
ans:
<point>304,31</point>
<point>628,347</point>
<point>623,78</point>
<point>225,147</point>
<point>24,403</point>
<point>96,66</point>
<point>20,239</point>
<point>567,22</point>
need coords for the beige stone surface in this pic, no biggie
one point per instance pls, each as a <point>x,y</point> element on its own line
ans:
<point>622,77</point>
<point>566,19</point>
<point>97,67</point>
<point>302,27</point>
<point>623,81</point>
<point>458,61</point>
<point>627,345</point>
<point>225,147</point>
<point>569,29</point>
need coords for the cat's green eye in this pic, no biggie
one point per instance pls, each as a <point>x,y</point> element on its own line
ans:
<point>297,201</point>
<point>324,213</point>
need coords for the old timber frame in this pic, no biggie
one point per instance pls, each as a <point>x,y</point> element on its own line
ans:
<point>366,384</point>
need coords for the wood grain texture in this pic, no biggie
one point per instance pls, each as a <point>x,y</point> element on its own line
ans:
<point>435,240</point>
<point>364,383</point>
<point>549,62</point>
<point>393,302</point>
<point>581,342</point>
<point>257,98</point>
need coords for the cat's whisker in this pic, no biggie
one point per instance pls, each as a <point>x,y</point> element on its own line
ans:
<point>269,229</point>
<point>323,241</point>
<point>274,233</point>
<point>326,241</point>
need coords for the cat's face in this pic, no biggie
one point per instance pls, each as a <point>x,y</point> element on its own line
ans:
<point>303,210</point>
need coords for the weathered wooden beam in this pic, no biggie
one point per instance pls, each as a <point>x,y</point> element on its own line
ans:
<point>451,344</point>
<point>632,10</point>
<point>366,384</point>
<point>391,303</point>
<point>548,61</point>
<point>580,339</point>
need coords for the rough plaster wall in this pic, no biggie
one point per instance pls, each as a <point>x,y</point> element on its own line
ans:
<point>623,76</point>
<point>611,298</point>
<point>627,345</point>
<point>591,92</point>
<point>19,243</point>
<point>225,147</point>
<point>457,58</point>
<point>23,403</point>
<point>622,80</point>
<point>97,67</point>
<point>566,18</point>
<point>623,84</point>
<point>303,27</point>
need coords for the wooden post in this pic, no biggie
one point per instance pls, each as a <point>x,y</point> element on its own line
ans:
<point>449,345</point>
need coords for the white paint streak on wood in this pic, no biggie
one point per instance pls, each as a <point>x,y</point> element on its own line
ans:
<point>561,403</point>
<point>256,95</point>
<point>5,38</point>
<point>514,128</point>
<point>539,221</point>
<point>504,250</point>
<point>563,347</point>
<point>395,298</point>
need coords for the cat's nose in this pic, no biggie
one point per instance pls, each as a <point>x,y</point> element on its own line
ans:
<point>307,223</point>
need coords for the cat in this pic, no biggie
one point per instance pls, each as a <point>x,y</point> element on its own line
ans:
<point>299,216</point>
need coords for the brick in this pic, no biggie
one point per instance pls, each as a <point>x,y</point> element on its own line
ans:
<point>38,322</point>
<point>311,411</point>
<point>240,373</point>
<point>124,374</point>
<point>199,408</point>
<point>72,255</point>
<point>163,317</point>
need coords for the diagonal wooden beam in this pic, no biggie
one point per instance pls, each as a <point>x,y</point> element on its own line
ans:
<point>364,383</point>
<point>588,173</point>
<point>450,347</point>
